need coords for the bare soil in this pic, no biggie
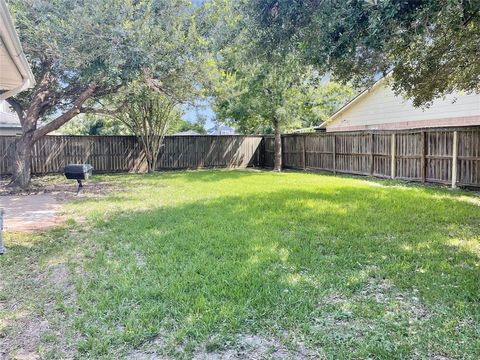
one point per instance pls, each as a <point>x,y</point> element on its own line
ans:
<point>23,335</point>
<point>60,187</point>
<point>38,207</point>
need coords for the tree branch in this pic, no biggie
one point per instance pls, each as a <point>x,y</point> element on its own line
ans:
<point>41,94</point>
<point>156,86</point>
<point>15,104</point>
<point>67,116</point>
<point>105,112</point>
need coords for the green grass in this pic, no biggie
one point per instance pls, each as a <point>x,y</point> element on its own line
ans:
<point>344,267</point>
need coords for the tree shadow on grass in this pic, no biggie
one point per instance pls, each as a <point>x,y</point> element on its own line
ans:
<point>343,268</point>
<point>213,174</point>
<point>189,176</point>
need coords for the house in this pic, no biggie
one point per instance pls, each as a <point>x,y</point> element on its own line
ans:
<point>15,73</point>
<point>378,108</point>
<point>187,133</point>
<point>9,123</point>
<point>221,129</point>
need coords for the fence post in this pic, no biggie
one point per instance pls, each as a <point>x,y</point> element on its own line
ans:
<point>454,159</point>
<point>393,150</point>
<point>372,147</point>
<point>304,153</point>
<point>334,154</point>
<point>423,162</point>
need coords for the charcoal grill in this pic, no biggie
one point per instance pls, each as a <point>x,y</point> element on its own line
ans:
<point>78,172</point>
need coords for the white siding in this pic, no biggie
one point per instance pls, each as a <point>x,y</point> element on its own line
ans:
<point>381,106</point>
<point>10,131</point>
<point>9,123</point>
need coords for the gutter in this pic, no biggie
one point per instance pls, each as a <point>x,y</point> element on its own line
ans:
<point>10,41</point>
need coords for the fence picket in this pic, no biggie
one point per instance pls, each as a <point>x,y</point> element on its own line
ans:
<point>417,155</point>
<point>123,153</point>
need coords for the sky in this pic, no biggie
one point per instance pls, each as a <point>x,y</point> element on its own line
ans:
<point>203,110</point>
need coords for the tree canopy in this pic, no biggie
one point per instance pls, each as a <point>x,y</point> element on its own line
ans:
<point>197,126</point>
<point>265,89</point>
<point>250,95</point>
<point>264,61</point>
<point>83,52</point>
<point>432,47</point>
<point>90,124</point>
<point>150,115</point>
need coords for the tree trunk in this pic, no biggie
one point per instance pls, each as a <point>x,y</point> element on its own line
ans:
<point>277,161</point>
<point>150,166</point>
<point>21,161</point>
<point>148,157</point>
<point>30,132</point>
<point>153,164</point>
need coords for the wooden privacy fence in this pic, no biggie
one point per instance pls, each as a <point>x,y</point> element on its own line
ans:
<point>446,156</point>
<point>123,153</point>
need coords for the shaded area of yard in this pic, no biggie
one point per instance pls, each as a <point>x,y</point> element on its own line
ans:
<point>230,264</point>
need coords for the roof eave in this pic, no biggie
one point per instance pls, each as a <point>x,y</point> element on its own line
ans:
<point>14,48</point>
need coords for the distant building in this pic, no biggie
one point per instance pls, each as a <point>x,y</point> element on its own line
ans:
<point>188,132</point>
<point>9,123</point>
<point>221,129</point>
<point>379,108</point>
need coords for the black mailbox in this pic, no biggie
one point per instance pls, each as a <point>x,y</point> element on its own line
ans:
<point>78,172</point>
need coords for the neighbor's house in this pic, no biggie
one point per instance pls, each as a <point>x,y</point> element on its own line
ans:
<point>15,73</point>
<point>221,129</point>
<point>187,133</point>
<point>9,123</point>
<point>378,108</point>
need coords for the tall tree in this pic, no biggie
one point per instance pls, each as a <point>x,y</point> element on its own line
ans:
<point>262,90</point>
<point>84,51</point>
<point>431,46</point>
<point>251,88</point>
<point>254,95</point>
<point>149,115</point>
<point>259,96</point>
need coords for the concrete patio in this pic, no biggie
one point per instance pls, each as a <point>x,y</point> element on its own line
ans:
<point>29,213</point>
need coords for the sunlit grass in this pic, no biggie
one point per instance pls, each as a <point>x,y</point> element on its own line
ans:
<point>353,268</point>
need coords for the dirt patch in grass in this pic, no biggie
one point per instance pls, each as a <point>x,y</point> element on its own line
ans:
<point>255,347</point>
<point>352,318</point>
<point>385,292</point>
<point>439,357</point>
<point>61,188</point>
<point>142,355</point>
<point>244,346</point>
<point>37,328</point>
<point>24,338</point>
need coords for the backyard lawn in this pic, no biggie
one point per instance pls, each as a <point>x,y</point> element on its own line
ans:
<point>249,264</point>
